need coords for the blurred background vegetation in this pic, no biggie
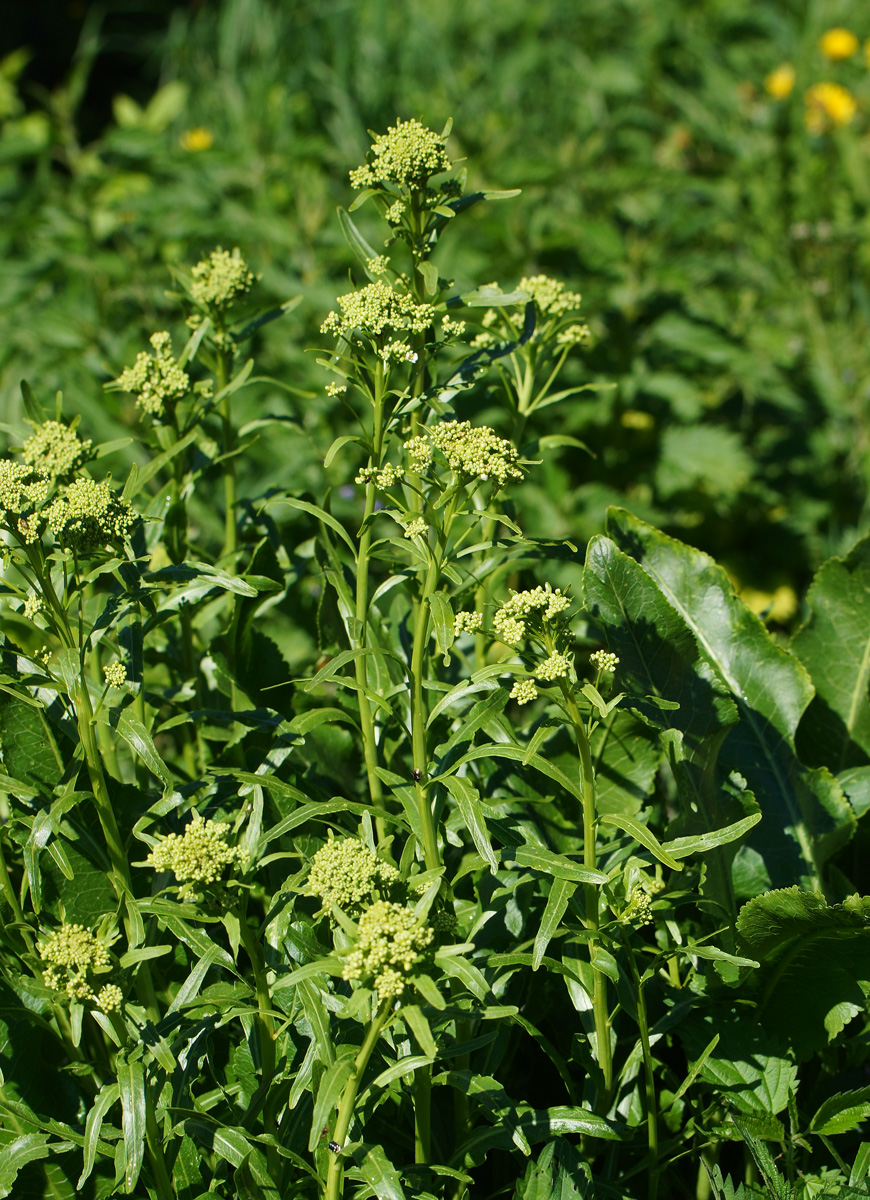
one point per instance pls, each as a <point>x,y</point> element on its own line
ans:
<point>676,167</point>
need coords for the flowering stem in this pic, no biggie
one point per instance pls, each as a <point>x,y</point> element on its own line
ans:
<point>229,461</point>
<point>599,983</point>
<point>265,1024</point>
<point>370,750</point>
<point>335,1176</point>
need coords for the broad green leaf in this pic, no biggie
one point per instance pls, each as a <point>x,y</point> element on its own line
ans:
<point>743,1064</point>
<point>30,752</point>
<point>361,248</point>
<point>834,646</point>
<point>811,950</point>
<point>380,1174</point>
<point>655,645</point>
<point>808,814</point>
<point>626,759</point>
<point>131,1084</point>
<point>414,1018</point>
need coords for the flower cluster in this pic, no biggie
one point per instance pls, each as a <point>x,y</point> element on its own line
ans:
<point>551,297</point>
<point>115,674</point>
<point>390,944</point>
<point>196,857</point>
<point>509,623</point>
<point>155,379</point>
<point>604,661</point>
<point>474,451</point>
<point>406,155</point>
<point>221,279</point>
<point>523,691</point>
<point>55,450</point>
<point>415,528</point>
<point>344,872</point>
<point>74,955</point>
<point>22,490</point>
<point>554,667</point>
<point>33,605</point>
<point>382,477</point>
<point>376,309</point>
<point>467,622</point>
<point>88,516</point>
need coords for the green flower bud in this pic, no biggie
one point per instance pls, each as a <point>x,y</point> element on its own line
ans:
<point>407,155</point>
<point>155,379</point>
<point>390,944</point>
<point>221,279</point>
<point>55,450</point>
<point>197,857</point>
<point>344,872</point>
<point>88,516</point>
<point>377,309</point>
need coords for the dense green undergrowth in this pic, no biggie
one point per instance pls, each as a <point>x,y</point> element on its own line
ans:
<point>397,798</point>
<point>719,246</point>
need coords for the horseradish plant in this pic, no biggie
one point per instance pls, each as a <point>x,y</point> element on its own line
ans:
<point>454,911</point>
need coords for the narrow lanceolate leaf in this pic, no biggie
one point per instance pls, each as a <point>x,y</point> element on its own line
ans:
<point>642,834</point>
<point>332,1084</point>
<point>806,813</point>
<point>556,865</point>
<point>131,1082</point>
<point>106,1097</point>
<point>834,646</point>
<point>557,903</point>
<point>700,844</point>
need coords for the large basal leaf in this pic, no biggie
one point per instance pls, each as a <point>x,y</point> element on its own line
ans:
<point>807,814</point>
<point>626,760</point>
<point>834,646</point>
<point>656,648</point>
<point>816,952</point>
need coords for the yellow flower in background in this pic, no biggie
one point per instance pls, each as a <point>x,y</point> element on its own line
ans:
<point>828,104</point>
<point>780,82</point>
<point>838,43</point>
<point>197,139</point>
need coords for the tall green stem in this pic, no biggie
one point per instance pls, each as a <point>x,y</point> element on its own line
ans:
<point>599,983</point>
<point>649,1075</point>
<point>265,1022</point>
<point>335,1176</point>
<point>418,719</point>
<point>423,1115</point>
<point>229,458</point>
